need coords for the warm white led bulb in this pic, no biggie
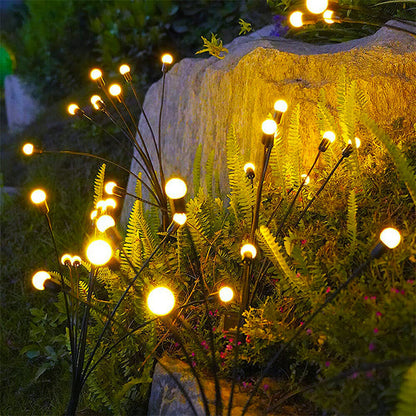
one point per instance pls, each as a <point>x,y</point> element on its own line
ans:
<point>248,251</point>
<point>95,99</point>
<point>269,126</point>
<point>226,294</point>
<point>295,19</point>
<point>316,6</point>
<point>390,237</point>
<point>72,109</point>
<point>167,58</point>
<point>249,166</point>
<point>39,279</point>
<point>175,188</point>
<point>124,69</point>
<point>330,135</point>
<point>38,196</point>
<point>307,179</point>
<point>96,74</point>
<point>109,187</point>
<point>99,252</point>
<point>179,218</point>
<point>105,222</point>
<point>328,14</point>
<point>28,149</point>
<point>281,106</point>
<point>114,90</point>
<point>66,258</point>
<point>161,301</point>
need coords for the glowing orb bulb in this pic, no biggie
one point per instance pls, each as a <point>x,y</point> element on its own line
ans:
<point>269,127</point>
<point>124,69</point>
<point>110,202</point>
<point>248,251</point>
<point>38,196</point>
<point>109,187</point>
<point>114,90</point>
<point>76,261</point>
<point>390,237</point>
<point>179,218</point>
<point>307,179</point>
<point>161,301</point>
<point>226,294</point>
<point>72,109</point>
<point>175,188</point>
<point>105,222</point>
<point>99,252</point>
<point>249,167</point>
<point>316,6</point>
<point>93,214</point>
<point>281,106</point>
<point>28,149</point>
<point>94,100</point>
<point>66,259</point>
<point>330,135</point>
<point>328,14</point>
<point>39,279</point>
<point>295,19</point>
<point>96,74</point>
<point>167,58</point>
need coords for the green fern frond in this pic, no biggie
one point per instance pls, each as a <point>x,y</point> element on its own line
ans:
<point>352,220</point>
<point>132,243</point>
<point>406,405</point>
<point>325,118</point>
<point>273,249</point>
<point>347,113</point>
<point>197,169</point>
<point>99,184</point>
<point>278,161</point>
<point>209,169</point>
<point>293,150</point>
<point>242,195</point>
<point>402,164</point>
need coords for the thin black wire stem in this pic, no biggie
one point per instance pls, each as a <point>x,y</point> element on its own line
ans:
<point>236,349</point>
<point>320,189</point>
<point>68,315</point>
<point>144,200</point>
<point>145,264</point>
<point>328,300</point>
<point>73,153</point>
<point>265,163</point>
<point>162,99</point>
<point>289,210</point>
<point>141,108</point>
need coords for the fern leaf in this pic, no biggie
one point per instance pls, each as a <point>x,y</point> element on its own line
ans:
<point>209,169</point>
<point>293,149</point>
<point>197,169</point>
<point>275,254</point>
<point>399,159</point>
<point>242,195</point>
<point>407,398</point>
<point>99,184</point>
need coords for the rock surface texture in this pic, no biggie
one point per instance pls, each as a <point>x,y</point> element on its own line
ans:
<point>205,96</point>
<point>21,107</point>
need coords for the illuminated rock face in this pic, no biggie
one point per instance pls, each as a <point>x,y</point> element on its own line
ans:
<point>205,96</point>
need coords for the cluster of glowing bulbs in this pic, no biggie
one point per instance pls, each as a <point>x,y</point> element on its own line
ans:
<point>314,7</point>
<point>72,260</point>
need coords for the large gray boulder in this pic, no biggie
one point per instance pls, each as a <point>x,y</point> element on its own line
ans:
<point>205,96</point>
<point>21,107</point>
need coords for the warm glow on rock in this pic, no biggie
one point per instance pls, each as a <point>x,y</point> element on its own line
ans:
<point>161,301</point>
